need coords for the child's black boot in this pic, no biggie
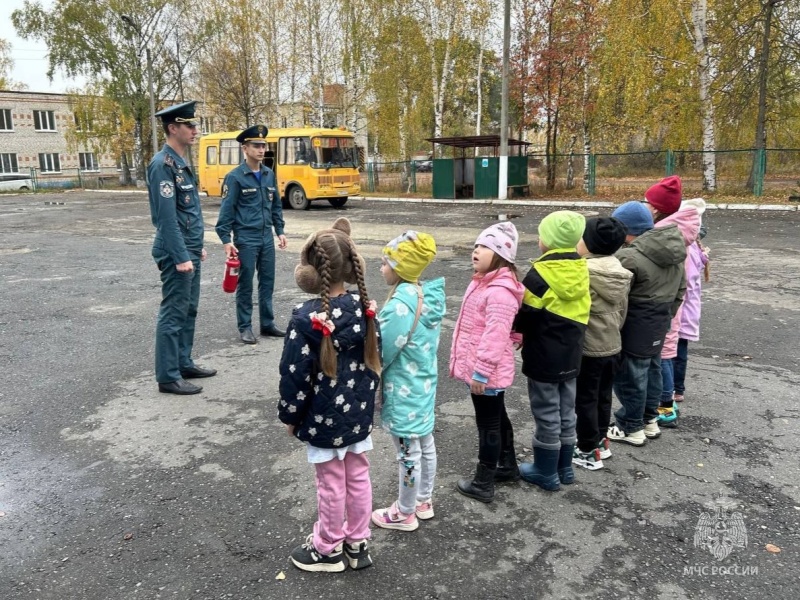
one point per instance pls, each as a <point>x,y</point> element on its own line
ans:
<point>480,487</point>
<point>507,468</point>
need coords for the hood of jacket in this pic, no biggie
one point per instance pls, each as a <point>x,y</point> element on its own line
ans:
<point>569,278</point>
<point>664,245</point>
<point>433,301</point>
<point>687,220</point>
<point>503,278</point>
<point>609,279</point>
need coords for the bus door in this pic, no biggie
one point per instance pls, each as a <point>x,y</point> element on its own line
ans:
<point>209,168</point>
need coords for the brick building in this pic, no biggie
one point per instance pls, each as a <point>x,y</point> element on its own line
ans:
<point>32,128</point>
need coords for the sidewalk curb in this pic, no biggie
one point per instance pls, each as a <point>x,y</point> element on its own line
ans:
<point>567,203</point>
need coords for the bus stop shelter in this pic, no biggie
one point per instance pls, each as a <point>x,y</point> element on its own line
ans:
<point>478,176</point>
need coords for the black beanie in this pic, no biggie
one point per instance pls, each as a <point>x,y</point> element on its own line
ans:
<point>604,235</point>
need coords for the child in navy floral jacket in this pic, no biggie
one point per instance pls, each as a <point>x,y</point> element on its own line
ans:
<point>330,371</point>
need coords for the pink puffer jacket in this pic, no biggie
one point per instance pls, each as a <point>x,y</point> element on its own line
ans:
<point>688,221</point>
<point>482,340</point>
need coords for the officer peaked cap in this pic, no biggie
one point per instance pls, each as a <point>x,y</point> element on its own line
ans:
<point>256,133</point>
<point>179,113</point>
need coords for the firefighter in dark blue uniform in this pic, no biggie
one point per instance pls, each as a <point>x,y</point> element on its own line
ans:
<point>178,251</point>
<point>251,209</point>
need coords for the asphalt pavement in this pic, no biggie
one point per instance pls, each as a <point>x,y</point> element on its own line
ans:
<point>110,490</point>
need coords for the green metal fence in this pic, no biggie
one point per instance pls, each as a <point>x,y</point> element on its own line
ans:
<point>403,178</point>
<point>774,171</point>
<point>73,178</point>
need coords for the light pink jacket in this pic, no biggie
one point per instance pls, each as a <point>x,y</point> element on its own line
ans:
<point>482,340</point>
<point>688,221</point>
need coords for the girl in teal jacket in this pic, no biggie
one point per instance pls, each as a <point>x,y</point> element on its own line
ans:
<point>410,323</point>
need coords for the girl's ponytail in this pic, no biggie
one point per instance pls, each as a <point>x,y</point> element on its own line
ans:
<point>372,356</point>
<point>327,356</point>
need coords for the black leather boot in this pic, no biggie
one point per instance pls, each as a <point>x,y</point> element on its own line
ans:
<point>507,469</point>
<point>480,487</point>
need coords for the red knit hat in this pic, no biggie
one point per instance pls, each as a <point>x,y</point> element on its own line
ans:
<point>665,196</point>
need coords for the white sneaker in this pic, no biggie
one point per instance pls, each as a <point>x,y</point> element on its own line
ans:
<point>651,430</point>
<point>587,460</point>
<point>634,439</point>
<point>603,447</point>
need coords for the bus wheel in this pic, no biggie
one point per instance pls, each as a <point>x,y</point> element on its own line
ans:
<point>337,202</point>
<point>297,198</point>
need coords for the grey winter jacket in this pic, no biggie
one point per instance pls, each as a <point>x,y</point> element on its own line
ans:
<point>659,281</point>
<point>609,284</point>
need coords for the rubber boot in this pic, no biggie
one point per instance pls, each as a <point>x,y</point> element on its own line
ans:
<point>480,487</point>
<point>542,471</point>
<point>507,469</point>
<point>565,473</point>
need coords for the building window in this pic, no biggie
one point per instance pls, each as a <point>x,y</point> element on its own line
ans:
<point>5,120</point>
<point>44,120</point>
<point>88,161</point>
<point>49,163</point>
<point>206,124</point>
<point>8,163</point>
<point>83,122</point>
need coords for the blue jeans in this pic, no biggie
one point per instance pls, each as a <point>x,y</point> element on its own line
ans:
<point>637,385</point>
<point>667,381</point>
<point>254,257</point>
<point>679,366</point>
<point>553,408</point>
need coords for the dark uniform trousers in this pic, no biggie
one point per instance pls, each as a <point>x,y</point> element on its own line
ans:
<point>180,296</point>
<point>255,257</point>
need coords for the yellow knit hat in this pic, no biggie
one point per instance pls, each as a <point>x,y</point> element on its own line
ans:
<point>409,254</point>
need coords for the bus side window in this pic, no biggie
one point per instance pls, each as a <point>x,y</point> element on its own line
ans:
<point>282,151</point>
<point>211,155</point>
<point>269,159</point>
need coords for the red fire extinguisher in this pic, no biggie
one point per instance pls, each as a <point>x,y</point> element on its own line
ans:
<point>231,279</point>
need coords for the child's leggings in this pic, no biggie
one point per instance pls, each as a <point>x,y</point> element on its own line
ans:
<point>417,471</point>
<point>344,501</point>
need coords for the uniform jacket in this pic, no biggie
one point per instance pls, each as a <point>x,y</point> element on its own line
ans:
<point>250,209</point>
<point>696,261</point>
<point>656,260</point>
<point>174,208</point>
<point>327,413</point>
<point>410,368</point>
<point>482,340</point>
<point>554,315</point>
<point>609,285</point>
<point>687,219</point>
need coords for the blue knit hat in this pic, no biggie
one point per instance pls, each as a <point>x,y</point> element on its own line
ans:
<point>635,216</point>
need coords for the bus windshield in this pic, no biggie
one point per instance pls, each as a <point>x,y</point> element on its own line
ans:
<point>335,152</point>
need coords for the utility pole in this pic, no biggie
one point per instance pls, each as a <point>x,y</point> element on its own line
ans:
<point>502,192</point>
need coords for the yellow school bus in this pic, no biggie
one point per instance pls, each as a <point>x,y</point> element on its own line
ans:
<point>309,163</point>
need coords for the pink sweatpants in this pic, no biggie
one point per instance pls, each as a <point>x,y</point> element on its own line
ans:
<point>344,501</point>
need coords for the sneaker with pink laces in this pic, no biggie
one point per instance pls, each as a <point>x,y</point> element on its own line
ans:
<point>392,518</point>
<point>425,510</point>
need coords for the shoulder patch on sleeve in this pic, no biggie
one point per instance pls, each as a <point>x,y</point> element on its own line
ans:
<point>224,191</point>
<point>167,189</point>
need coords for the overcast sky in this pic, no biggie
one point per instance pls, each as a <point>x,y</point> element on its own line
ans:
<point>30,58</point>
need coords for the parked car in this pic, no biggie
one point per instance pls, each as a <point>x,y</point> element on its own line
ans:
<point>10,182</point>
<point>423,166</point>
